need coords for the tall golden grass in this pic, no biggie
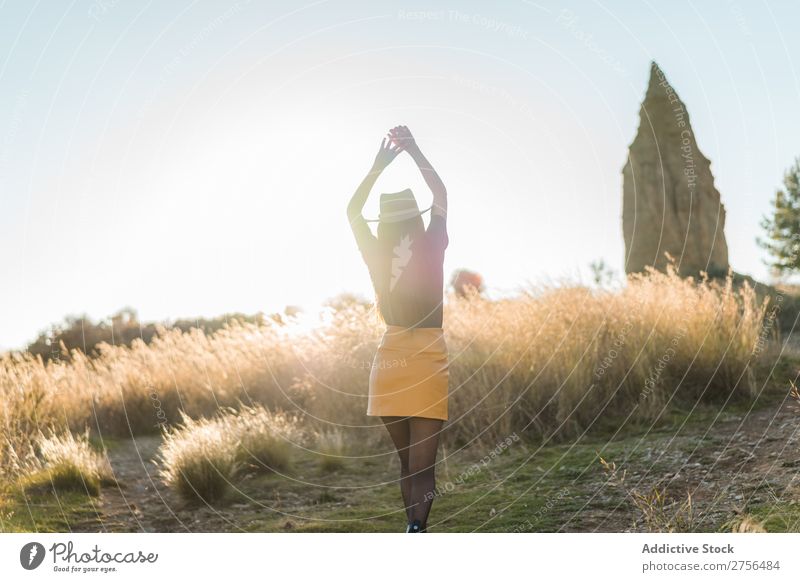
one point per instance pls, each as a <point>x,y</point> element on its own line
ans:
<point>201,458</point>
<point>557,361</point>
<point>67,462</point>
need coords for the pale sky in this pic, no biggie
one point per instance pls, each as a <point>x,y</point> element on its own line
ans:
<point>194,158</point>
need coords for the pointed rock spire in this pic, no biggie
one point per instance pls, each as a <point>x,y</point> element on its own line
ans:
<point>669,201</point>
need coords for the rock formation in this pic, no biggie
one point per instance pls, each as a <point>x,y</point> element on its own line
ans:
<point>669,200</point>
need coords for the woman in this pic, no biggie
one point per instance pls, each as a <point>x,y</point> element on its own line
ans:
<point>408,383</point>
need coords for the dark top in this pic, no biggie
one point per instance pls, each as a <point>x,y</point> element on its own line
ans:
<point>409,279</point>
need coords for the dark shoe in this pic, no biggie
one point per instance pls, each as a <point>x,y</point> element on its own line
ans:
<point>415,527</point>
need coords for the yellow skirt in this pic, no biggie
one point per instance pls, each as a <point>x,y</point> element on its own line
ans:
<point>410,374</point>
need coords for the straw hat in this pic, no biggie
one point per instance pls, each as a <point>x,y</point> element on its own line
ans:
<point>398,206</point>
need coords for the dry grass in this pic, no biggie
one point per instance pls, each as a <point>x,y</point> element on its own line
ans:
<point>658,512</point>
<point>202,458</point>
<point>265,439</point>
<point>331,445</point>
<point>65,462</point>
<point>565,359</point>
<point>199,460</point>
<point>746,524</point>
<point>551,362</point>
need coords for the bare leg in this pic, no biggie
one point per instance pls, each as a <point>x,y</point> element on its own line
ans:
<point>424,437</point>
<point>399,431</point>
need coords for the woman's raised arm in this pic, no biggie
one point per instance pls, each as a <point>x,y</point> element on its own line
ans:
<point>402,136</point>
<point>387,152</point>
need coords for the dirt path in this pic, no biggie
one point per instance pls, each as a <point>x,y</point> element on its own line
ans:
<point>140,502</point>
<point>754,461</point>
<point>739,464</point>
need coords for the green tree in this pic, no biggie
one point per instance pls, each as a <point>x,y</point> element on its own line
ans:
<point>782,227</point>
<point>601,273</point>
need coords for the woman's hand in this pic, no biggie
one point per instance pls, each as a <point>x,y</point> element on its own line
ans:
<point>384,157</point>
<point>401,136</point>
<point>386,154</point>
